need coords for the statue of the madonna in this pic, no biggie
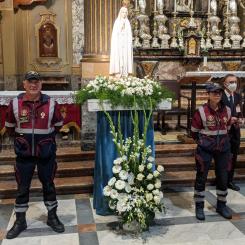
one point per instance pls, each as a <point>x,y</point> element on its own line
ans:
<point>121,58</point>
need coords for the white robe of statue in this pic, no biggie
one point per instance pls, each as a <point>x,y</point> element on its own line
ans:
<point>121,58</point>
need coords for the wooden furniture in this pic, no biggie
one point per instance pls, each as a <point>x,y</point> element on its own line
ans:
<point>178,111</point>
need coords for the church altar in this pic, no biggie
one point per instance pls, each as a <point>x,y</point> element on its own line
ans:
<point>94,106</point>
<point>70,111</point>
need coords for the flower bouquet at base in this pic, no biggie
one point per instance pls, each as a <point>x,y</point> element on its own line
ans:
<point>134,192</point>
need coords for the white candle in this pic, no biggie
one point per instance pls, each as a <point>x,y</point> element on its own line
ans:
<point>155,5</point>
<point>208,6</point>
<point>175,6</point>
<point>136,4</point>
<point>192,5</point>
<point>227,11</point>
<point>205,61</point>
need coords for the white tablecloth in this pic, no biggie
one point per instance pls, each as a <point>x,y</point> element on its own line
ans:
<point>62,97</point>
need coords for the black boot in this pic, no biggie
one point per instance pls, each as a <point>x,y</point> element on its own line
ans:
<point>223,210</point>
<point>19,225</point>
<point>54,222</point>
<point>199,211</point>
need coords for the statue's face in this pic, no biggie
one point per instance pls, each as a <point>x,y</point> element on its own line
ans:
<point>124,13</point>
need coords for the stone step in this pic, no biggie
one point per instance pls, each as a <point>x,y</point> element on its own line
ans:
<point>68,185</point>
<point>65,169</point>
<point>75,153</point>
<point>185,163</point>
<point>187,178</point>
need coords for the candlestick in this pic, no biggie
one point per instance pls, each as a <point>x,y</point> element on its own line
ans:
<point>175,6</point>
<point>136,4</point>
<point>205,61</point>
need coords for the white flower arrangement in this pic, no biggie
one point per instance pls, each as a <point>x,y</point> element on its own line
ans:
<point>134,190</point>
<point>124,91</point>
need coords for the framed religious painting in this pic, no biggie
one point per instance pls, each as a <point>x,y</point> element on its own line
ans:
<point>47,37</point>
<point>48,45</point>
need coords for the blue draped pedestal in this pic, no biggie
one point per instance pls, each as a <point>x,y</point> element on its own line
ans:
<point>106,152</point>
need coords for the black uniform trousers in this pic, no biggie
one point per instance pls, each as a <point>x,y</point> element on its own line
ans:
<point>24,170</point>
<point>203,163</point>
<point>235,135</point>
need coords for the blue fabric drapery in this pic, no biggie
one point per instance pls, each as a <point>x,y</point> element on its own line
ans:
<point>106,152</point>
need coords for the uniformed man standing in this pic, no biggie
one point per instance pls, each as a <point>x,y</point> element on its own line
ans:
<point>234,100</point>
<point>33,118</point>
<point>209,128</point>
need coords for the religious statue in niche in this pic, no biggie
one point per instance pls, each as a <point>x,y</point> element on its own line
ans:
<point>48,41</point>
<point>183,5</point>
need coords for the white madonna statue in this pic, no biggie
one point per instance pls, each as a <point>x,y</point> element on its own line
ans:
<point>121,57</point>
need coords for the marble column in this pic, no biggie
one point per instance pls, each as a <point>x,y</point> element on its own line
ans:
<point>99,17</point>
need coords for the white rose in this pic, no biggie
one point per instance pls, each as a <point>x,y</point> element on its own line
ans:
<point>121,207</point>
<point>150,187</point>
<point>114,194</point>
<point>151,159</point>
<point>160,168</point>
<point>158,184</point>
<point>149,165</point>
<point>141,167</point>
<point>107,190</point>
<point>122,197</point>
<point>140,177</point>
<point>156,173</point>
<point>148,197</point>
<point>149,177</point>
<point>120,184</point>
<point>123,175</point>
<point>116,169</point>
<point>157,199</point>
<point>112,181</point>
<point>156,192</point>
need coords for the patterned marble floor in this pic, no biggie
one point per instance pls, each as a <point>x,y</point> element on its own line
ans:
<point>177,226</point>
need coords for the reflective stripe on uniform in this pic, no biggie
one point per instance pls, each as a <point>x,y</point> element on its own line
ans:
<point>214,132</point>
<point>9,125</point>
<point>219,192</point>
<point>51,111</point>
<point>37,131</point>
<point>195,129</point>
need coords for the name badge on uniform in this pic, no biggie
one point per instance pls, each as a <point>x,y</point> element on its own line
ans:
<point>238,109</point>
<point>211,121</point>
<point>24,117</point>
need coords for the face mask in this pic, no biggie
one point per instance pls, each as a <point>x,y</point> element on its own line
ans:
<point>232,87</point>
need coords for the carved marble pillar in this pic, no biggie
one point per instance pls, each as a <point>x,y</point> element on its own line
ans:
<point>99,17</point>
<point>77,29</point>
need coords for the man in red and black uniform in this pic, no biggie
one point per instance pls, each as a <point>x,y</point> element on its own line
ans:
<point>209,128</point>
<point>234,100</point>
<point>34,118</point>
